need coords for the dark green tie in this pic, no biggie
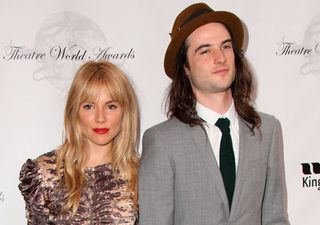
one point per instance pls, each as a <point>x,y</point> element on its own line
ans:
<point>227,161</point>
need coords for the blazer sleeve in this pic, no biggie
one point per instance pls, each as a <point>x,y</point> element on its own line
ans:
<point>34,193</point>
<point>274,208</point>
<point>156,181</point>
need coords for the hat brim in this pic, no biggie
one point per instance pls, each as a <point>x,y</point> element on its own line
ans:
<point>230,20</point>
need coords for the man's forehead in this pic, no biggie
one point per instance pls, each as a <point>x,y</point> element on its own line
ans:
<point>210,34</point>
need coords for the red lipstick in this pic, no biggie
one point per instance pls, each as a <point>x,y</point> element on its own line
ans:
<point>101,130</point>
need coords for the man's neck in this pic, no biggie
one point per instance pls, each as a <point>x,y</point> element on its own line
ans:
<point>218,102</point>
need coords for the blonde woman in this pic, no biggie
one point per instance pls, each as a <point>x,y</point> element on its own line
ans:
<point>91,178</point>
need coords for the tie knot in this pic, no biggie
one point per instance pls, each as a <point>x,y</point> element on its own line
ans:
<point>223,124</point>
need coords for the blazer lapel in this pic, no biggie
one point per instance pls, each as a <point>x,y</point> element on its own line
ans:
<point>247,143</point>
<point>206,152</point>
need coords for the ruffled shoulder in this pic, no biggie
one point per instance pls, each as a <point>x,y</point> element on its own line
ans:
<point>33,178</point>
<point>31,184</point>
<point>36,177</point>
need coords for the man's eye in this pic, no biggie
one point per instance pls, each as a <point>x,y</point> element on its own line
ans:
<point>204,52</point>
<point>227,46</point>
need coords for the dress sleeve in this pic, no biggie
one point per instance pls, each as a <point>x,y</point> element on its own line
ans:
<point>34,192</point>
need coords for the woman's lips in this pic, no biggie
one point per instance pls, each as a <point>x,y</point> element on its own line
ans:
<point>101,130</point>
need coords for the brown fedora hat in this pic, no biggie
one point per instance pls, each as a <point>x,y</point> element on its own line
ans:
<point>189,20</point>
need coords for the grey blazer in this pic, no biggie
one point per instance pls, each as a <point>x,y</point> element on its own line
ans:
<point>180,181</point>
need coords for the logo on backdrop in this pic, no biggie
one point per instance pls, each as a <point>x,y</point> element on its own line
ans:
<point>64,41</point>
<point>1,196</point>
<point>311,175</point>
<point>310,48</point>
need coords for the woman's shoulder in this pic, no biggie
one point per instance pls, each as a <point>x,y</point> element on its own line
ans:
<point>47,160</point>
<point>35,174</point>
<point>44,162</point>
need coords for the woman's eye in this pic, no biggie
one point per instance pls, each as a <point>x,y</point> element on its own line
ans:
<point>87,106</point>
<point>112,106</point>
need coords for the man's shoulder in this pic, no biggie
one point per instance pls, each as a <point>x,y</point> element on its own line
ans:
<point>268,121</point>
<point>169,123</point>
<point>169,127</point>
<point>266,117</point>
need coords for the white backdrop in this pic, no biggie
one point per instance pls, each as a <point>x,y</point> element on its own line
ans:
<point>42,42</point>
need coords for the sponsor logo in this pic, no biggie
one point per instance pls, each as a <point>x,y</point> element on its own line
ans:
<point>311,173</point>
<point>1,196</point>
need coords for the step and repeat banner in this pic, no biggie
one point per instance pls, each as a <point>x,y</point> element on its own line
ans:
<point>43,42</point>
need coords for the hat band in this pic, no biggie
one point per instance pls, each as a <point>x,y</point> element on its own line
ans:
<point>194,15</point>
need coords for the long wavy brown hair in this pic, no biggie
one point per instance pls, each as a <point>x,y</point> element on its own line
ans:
<point>181,102</point>
<point>90,79</point>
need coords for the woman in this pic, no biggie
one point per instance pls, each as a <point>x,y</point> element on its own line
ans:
<point>91,178</point>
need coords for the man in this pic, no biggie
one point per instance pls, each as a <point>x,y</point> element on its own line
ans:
<point>196,169</point>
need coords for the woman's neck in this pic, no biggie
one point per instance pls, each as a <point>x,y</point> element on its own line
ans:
<point>98,156</point>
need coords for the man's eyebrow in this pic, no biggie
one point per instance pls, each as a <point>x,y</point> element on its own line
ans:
<point>201,47</point>
<point>208,45</point>
<point>226,41</point>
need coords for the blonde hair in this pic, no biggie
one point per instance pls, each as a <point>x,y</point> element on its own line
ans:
<point>90,79</point>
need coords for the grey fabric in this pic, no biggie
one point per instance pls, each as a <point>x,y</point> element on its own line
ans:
<point>180,182</point>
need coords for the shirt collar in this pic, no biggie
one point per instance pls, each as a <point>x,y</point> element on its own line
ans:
<point>211,117</point>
